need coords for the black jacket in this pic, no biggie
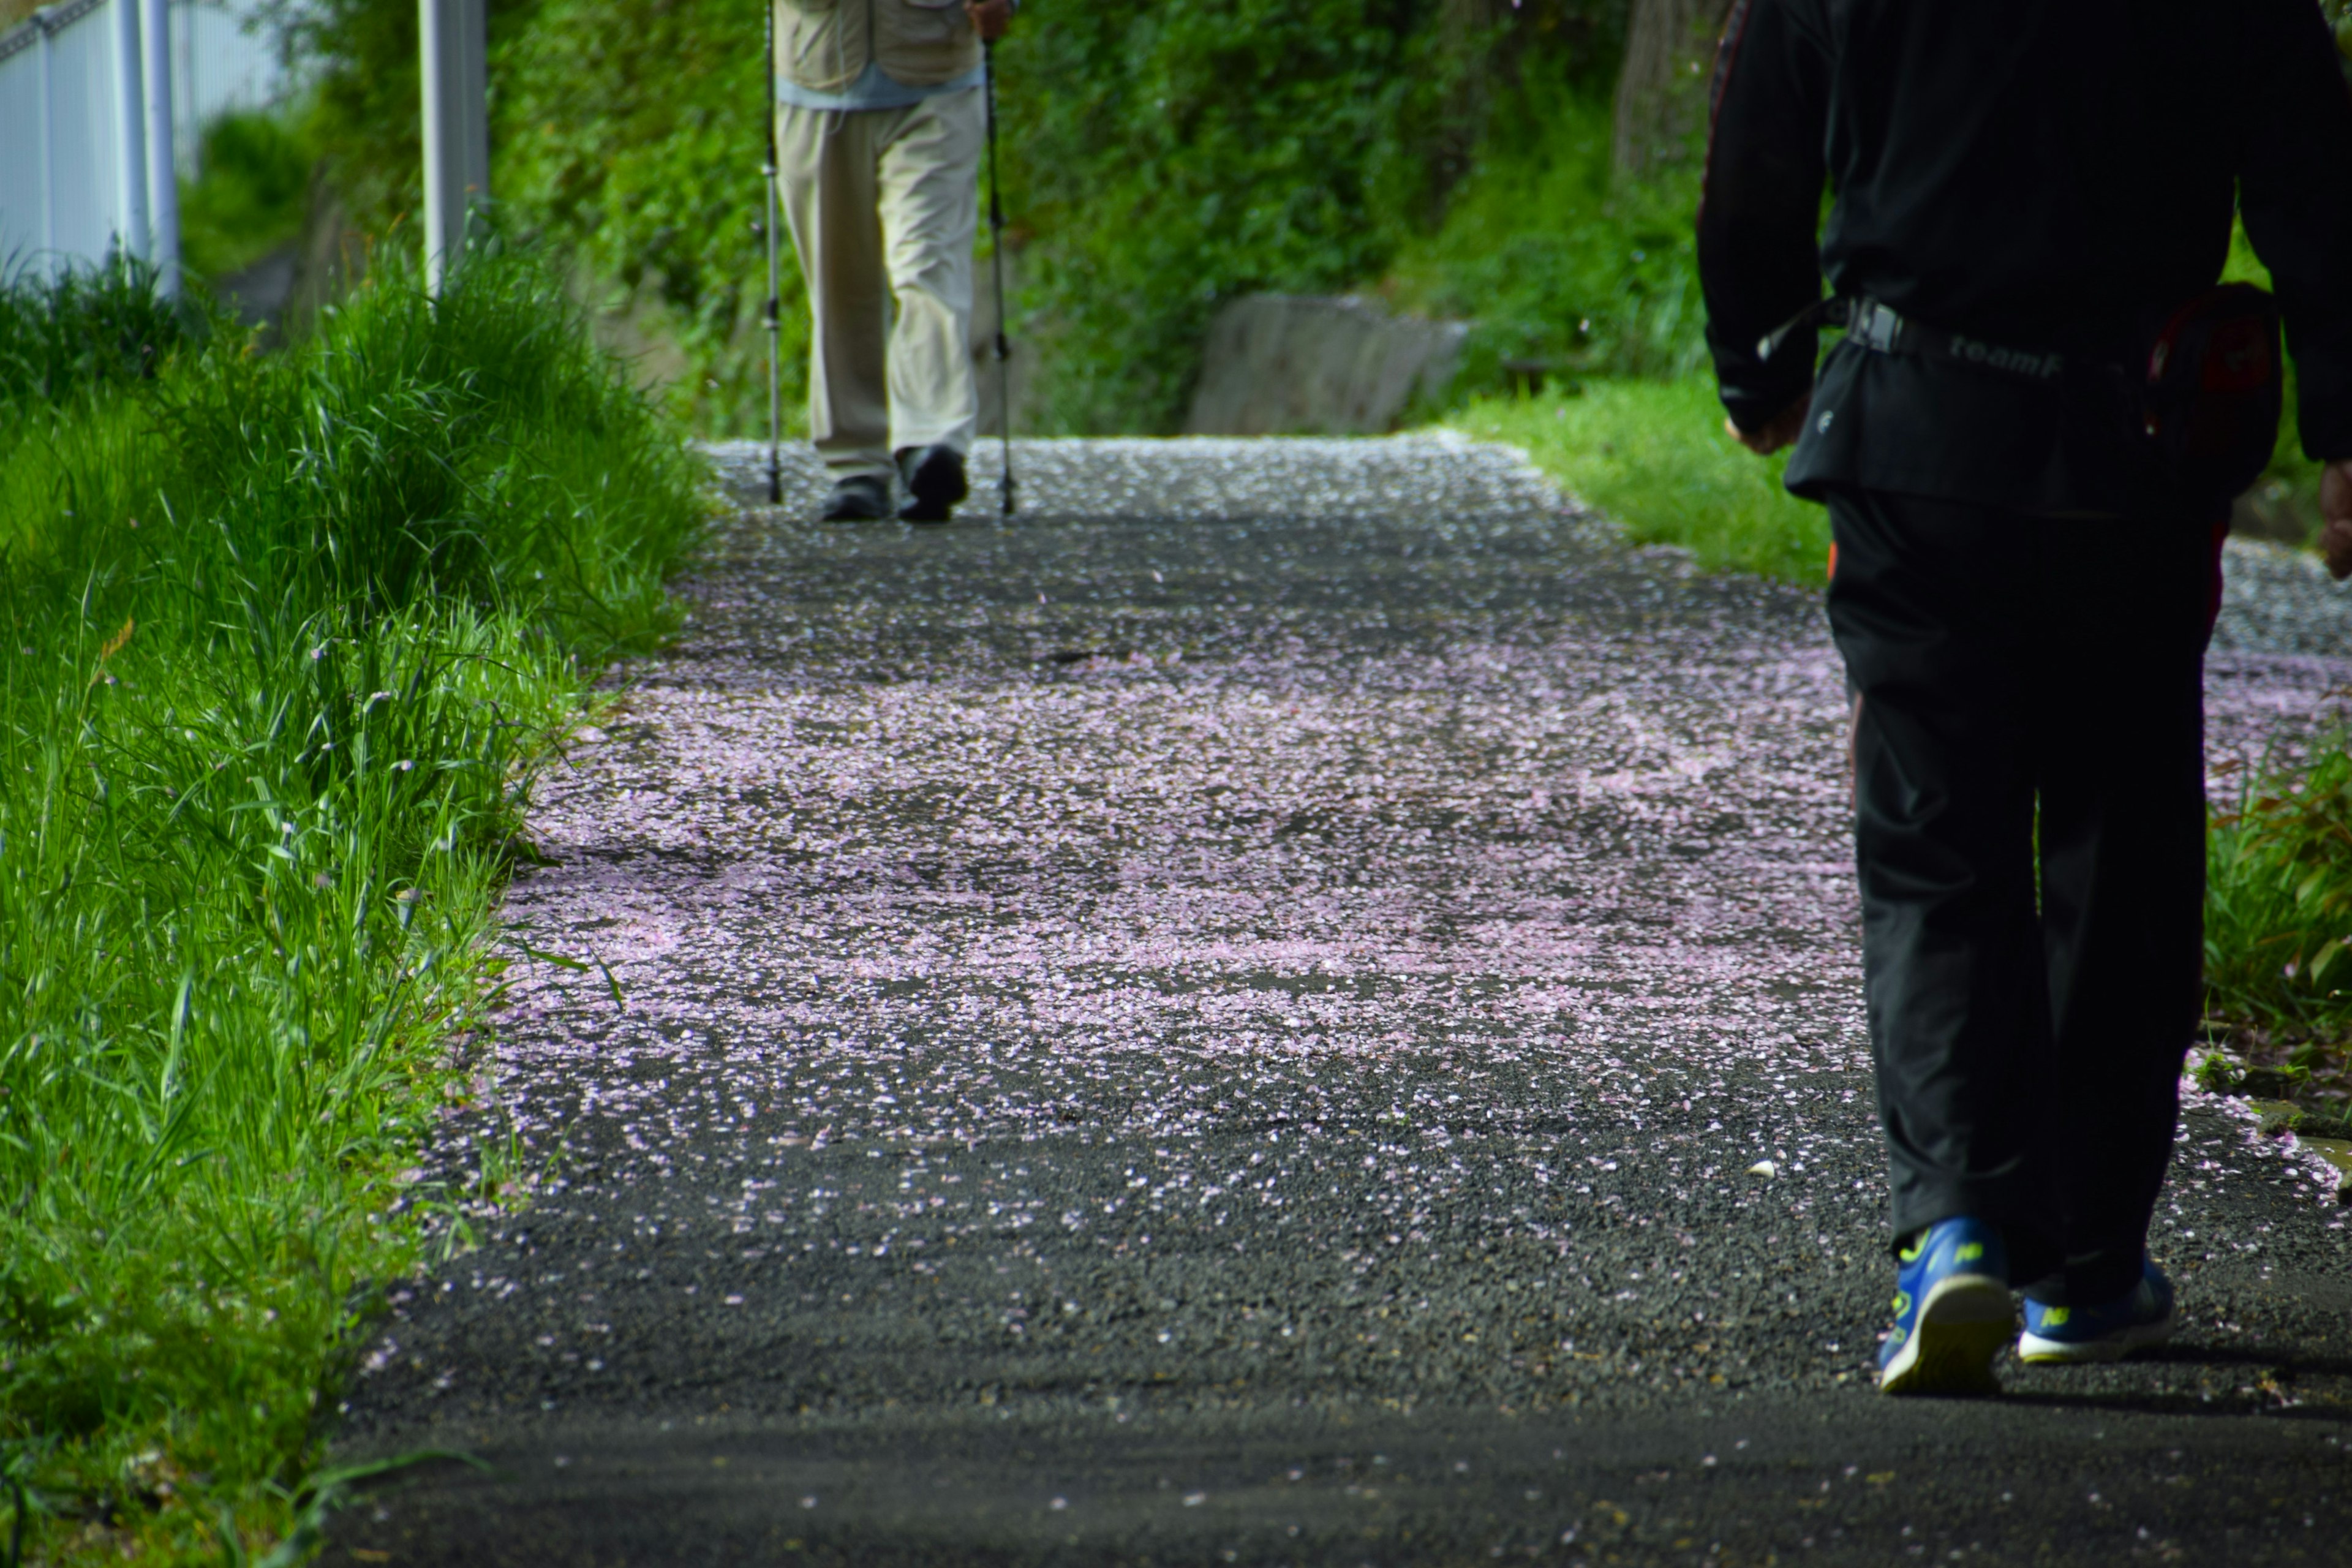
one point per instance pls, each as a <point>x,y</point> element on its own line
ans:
<point>2043,175</point>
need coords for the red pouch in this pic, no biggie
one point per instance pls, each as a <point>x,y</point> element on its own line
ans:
<point>2214,391</point>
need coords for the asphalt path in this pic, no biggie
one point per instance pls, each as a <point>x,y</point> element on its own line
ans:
<point>1296,1002</point>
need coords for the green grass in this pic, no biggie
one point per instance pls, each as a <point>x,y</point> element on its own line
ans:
<point>86,335</point>
<point>1654,454</point>
<point>2278,913</point>
<point>280,640</point>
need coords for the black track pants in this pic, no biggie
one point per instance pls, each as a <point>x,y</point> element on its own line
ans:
<point>2028,1042</point>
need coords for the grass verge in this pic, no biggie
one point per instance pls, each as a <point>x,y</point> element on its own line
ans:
<point>1654,454</point>
<point>280,638</point>
<point>2278,923</point>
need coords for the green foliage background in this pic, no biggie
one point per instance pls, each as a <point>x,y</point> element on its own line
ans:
<point>1173,157</point>
<point>256,172</point>
<point>1451,154</point>
<point>1157,160</point>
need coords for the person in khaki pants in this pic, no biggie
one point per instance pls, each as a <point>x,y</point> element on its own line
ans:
<point>879,125</point>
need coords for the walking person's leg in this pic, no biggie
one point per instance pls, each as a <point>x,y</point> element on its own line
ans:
<point>826,163</point>
<point>2123,884</point>
<point>1932,615</point>
<point>929,202</point>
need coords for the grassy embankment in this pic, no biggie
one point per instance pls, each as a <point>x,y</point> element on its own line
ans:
<point>1653,455</point>
<point>281,637</point>
<point>2278,924</point>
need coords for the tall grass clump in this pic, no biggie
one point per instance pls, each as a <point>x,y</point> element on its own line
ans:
<point>280,638</point>
<point>87,330</point>
<point>2278,914</point>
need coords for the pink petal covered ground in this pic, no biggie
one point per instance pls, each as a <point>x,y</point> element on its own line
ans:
<point>1338,871</point>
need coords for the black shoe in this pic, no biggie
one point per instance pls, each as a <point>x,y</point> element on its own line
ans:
<point>934,476</point>
<point>861,497</point>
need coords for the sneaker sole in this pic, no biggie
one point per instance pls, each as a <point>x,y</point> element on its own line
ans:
<point>1963,1324</point>
<point>2035,1350</point>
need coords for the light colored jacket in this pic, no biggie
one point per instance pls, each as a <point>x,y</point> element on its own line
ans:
<point>826,44</point>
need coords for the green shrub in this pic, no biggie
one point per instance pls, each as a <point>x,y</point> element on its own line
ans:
<point>1555,260</point>
<point>283,635</point>
<point>1181,154</point>
<point>248,197</point>
<point>1172,158</point>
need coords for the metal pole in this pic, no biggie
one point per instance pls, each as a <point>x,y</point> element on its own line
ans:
<point>996,265</point>
<point>163,168</point>
<point>434,22</point>
<point>775,307</point>
<point>187,133</point>
<point>49,156</point>
<point>450,48</point>
<point>129,136</point>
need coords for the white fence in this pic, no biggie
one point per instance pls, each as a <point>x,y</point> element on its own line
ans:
<point>221,59</point>
<point>92,95</point>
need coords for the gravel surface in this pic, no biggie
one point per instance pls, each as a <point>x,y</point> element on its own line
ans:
<point>1299,1002</point>
<point>2275,600</point>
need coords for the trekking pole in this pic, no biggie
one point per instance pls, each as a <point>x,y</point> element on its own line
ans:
<point>996,265</point>
<point>775,313</point>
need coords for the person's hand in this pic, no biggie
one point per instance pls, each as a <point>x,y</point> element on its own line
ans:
<point>2335,511</point>
<point>988,17</point>
<point>1784,429</point>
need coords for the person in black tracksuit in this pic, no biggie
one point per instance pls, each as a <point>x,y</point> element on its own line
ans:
<point>2020,598</point>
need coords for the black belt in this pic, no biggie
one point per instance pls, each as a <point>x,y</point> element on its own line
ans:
<point>1876,327</point>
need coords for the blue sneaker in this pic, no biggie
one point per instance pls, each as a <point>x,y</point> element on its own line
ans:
<point>2141,1316</point>
<point>1952,1312</point>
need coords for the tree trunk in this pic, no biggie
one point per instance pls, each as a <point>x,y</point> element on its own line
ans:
<point>1662,90</point>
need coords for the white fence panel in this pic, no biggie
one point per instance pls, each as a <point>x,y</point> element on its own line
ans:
<point>24,168</point>
<point>62,116</point>
<point>63,203</point>
<point>221,59</point>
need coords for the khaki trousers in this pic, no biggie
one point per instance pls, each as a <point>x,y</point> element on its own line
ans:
<point>883,204</point>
